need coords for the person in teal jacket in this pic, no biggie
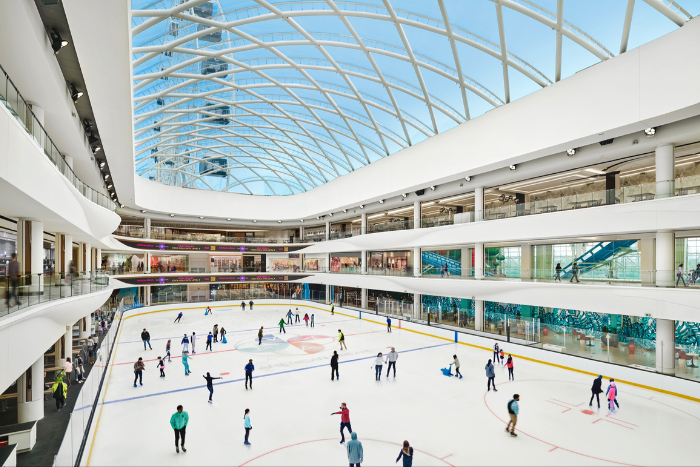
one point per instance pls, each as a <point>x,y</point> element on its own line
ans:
<point>247,425</point>
<point>185,359</point>
<point>179,422</point>
<point>354,451</point>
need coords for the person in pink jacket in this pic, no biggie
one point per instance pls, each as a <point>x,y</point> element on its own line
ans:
<point>612,391</point>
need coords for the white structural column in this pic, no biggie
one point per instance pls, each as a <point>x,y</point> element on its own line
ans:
<point>81,258</point>
<point>363,217</point>
<point>30,393</point>
<point>363,261</point>
<point>146,227</point>
<point>479,260</point>
<point>417,301</point>
<point>363,300</point>
<point>84,325</point>
<point>647,254</point>
<point>526,261</point>
<point>147,295</point>
<point>30,252</point>
<point>479,204</point>
<point>665,259</point>
<point>328,231</point>
<point>479,315</point>
<point>68,343</point>
<point>666,346</point>
<point>416,215</point>
<point>328,293</point>
<point>466,261</point>
<point>67,252</point>
<point>301,233</point>
<point>87,252</point>
<point>417,262</point>
<point>665,171</point>
<point>147,261</point>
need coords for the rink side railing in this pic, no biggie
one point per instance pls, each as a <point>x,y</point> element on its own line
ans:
<point>81,426</point>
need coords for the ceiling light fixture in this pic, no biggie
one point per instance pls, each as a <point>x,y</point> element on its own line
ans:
<point>102,165</point>
<point>172,215</point>
<point>201,217</point>
<point>107,177</point>
<point>121,206</point>
<point>75,94</point>
<point>345,210</point>
<point>650,131</point>
<point>432,187</point>
<point>512,167</point>
<point>57,42</point>
<point>318,217</point>
<point>228,219</point>
<point>330,214</point>
<point>571,152</point>
<point>377,215</point>
<point>362,206</point>
<point>254,221</point>
<point>143,211</point>
<point>301,220</point>
<point>468,178</point>
<point>109,186</point>
<point>404,194</point>
<point>381,201</point>
<point>112,194</point>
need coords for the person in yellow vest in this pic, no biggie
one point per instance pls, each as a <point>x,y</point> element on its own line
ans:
<point>60,391</point>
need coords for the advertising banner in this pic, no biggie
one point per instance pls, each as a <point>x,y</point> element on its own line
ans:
<point>154,279</point>
<point>185,246</point>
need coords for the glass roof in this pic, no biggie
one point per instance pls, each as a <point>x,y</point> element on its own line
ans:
<point>278,97</point>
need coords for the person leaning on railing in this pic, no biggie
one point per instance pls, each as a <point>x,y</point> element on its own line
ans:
<point>13,276</point>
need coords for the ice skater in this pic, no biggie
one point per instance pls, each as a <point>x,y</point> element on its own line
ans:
<point>495,352</point>
<point>388,324</point>
<point>161,367</point>
<point>596,390</point>
<point>391,358</point>
<point>216,333</point>
<point>296,316</point>
<point>185,343</point>
<point>513,414</point>
<point>509,365</point>
<point>491,375</point>
<point>250,303</point>
<point>312,320</point>
<point>146,338</point>
<point>243,306</point>
<point>178,422</point>
<point>192,339</point>
<point>247,425</point>
<point>167,351</point>
<point>281,323</point>
<point>249,368</point>
<point>344,420</point>
<point>378,363</point>
<point>503,357</point>
<point>260,335</point>
<point>355,454</point>
<point>185,361</point>
<point>139,368</point>
<point>341,339</point>
<point>210,385</point>
<point>334,365</point>
<point>179,317</point>
<point>612,387</point>
<point>289,317</point>
<point>407,454</point>
<point>332,309</point>
<point>455,362</point>
<point>209,339</point>
<point>306,319</point>
<point>223,335</point>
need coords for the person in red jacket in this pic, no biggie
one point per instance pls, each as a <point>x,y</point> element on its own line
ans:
<point>509,365</point>
<point>344,420</point>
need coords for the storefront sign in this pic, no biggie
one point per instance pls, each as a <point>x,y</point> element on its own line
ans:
<point>154,279</point>
<point>178,246</point>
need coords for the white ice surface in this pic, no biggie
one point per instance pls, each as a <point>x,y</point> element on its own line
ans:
<point>448,421</point>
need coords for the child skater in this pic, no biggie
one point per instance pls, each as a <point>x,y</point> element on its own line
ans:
<point>167,351</point>
<point>161,366</point>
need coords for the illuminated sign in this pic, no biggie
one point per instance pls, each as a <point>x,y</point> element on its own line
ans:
<point>178,246</point>
<point>154,279</point>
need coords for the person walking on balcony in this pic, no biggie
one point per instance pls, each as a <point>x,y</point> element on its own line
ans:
<point>574,272</point>
<point>679,276</point>
<point>557,270</point>
<point>13,276</point>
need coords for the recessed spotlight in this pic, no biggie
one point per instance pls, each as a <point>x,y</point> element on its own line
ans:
<point>362,206</point>
<point>102,165</point>
<point>345,210</point>
<point>121,205</point>
<point>318,217</point>
<point>228,219</point>
<point>57,42</point>
<point>404,195</point>
<point>301,220</point>
<point>571,152</point>
<point>75,94</point>
<point>381,201</point>
<point>432,187</point>
<point>172,215</point>
<point>468,178</point>
<point>112,194</point>
<point>330,214</point>
<point>143,211</point>
<point>650,131</point>
<point>107,177</point>
<point>109,186</point>
<point>201,217</point>
<point>511,167</point>
<point>254,221</point>
<point>279,222</point>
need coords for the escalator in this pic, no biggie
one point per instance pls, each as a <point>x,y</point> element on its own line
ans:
<point>599,256</point>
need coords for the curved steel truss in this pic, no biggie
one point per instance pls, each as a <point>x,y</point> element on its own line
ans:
<point>277,98</point>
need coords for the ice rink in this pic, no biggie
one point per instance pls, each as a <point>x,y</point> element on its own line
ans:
<point>448,421</point>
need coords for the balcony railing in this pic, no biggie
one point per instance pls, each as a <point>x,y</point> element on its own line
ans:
<point>32,289</point>
<point>202,237</point>
<point>12,100</point>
